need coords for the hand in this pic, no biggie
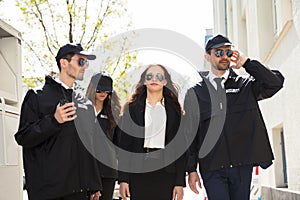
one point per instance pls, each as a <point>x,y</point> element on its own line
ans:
<point>192,180</point>
<point>95,196</point>
<point>238,59</point>
<point>177,193</point>
<point>124,190</point>
<point>65,113</point>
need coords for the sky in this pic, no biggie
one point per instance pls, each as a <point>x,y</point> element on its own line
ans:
<point>189,17</point>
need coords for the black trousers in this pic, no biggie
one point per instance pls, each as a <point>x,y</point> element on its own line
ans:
<point>228,184</point>
<point>75,196</point>
<point>108,186</point>
<point>157,185</point>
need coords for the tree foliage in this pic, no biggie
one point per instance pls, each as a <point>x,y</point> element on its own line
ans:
<point>52,23</point>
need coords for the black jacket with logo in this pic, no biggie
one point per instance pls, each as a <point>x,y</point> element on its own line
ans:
<point>108,164</point>
<point>56,162</point>
<point>235,135</point>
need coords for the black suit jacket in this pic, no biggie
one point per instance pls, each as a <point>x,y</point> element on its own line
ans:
<point>132,140</point>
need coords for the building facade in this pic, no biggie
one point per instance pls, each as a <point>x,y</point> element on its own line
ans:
<point>269,30</point>
<point>11,170</point>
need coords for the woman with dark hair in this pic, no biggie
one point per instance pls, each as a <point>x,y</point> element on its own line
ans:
<point>107,110</point>
<point>155,114</point>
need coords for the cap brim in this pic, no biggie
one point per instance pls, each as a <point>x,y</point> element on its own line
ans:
<point>89,55</point>
<point>220,45</point>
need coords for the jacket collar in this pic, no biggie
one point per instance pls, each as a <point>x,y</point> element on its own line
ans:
<point>204,75</point>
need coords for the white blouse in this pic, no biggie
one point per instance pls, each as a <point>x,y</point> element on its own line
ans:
<point>155,125</point>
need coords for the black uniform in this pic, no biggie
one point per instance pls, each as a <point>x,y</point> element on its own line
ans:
<point>56,163</point>
<point>108,174</point>
<point>244,139</point>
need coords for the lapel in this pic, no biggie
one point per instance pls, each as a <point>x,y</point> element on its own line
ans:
<point>137,113</point>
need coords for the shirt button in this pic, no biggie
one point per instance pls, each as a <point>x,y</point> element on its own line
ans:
<point>231,166</point>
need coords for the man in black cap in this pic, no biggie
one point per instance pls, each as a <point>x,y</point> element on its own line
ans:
<point>56,163</point>
<point>227,134</point>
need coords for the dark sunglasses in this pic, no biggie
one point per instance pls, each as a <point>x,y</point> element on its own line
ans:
<point>220,52</point>
<point>81,61</point>
<point>100,91</point>
<point>158,76</point>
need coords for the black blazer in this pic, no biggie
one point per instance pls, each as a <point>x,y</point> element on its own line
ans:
<point>133,122</point>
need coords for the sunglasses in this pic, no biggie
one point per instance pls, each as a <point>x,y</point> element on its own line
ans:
<point>100,91</point>
<point>158,76</point>
<point>81,61</point>
<point>220,52</point>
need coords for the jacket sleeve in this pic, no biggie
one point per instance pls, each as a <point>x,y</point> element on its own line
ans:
<point>266,82</point>
<point>34,129</point>
<point>180,150</point>
<point>125,143</point>
<point>191,120</point>
<point>180,171</point>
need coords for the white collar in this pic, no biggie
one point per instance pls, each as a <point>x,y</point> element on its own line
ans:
<point>62,83</point>
<point>211,76</point>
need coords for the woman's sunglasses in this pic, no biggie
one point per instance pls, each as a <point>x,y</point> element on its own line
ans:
<point>158,76</point>
<point>102,91</point>
<point>220,52</point>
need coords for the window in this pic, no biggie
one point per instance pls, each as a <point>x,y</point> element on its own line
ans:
<point>280,164</point>
<point>282,13</point>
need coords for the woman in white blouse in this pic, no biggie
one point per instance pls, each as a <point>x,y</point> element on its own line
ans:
<point>150,122</point>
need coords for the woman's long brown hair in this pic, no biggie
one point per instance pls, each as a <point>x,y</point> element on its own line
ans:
<point>170,90</point>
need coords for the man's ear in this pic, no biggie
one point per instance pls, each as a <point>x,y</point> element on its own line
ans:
<point>63,63</point>
<point>207,57</point>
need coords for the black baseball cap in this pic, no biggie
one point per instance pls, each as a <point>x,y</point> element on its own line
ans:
<point>73,49</point>
<point>216,42</point>
<point>103,82</point>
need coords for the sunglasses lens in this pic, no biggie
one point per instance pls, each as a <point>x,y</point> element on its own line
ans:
<point>149,76</point>
<point>82,62</point>
<point>219,53</point>
<point>100,91</point>
<point>229,52</point>
<point>159,77</point>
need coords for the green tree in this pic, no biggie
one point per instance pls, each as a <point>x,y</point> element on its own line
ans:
<point>52,23</point>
